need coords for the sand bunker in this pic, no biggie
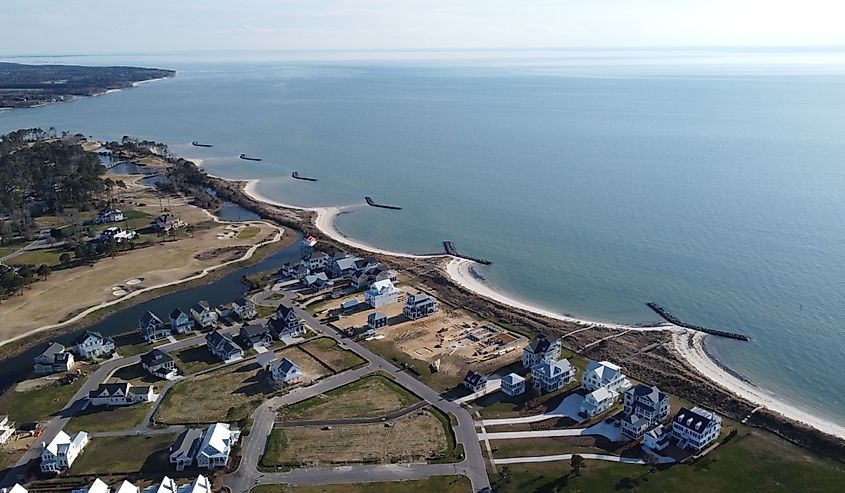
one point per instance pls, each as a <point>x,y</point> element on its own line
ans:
<point>119,292</point>
<point>134,282</point>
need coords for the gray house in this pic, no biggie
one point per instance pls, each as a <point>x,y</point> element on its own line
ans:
<point>286,323</point>
<point>256,335</point>
<point>152,328</point>
<point>223,346</point>
<point>419,305</point>
<point>159,364</point>
<point>54,359</point>
<point>181,322</point>
<point>376,320</point>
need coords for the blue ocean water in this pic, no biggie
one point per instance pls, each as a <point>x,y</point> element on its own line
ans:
<point>711,183</point>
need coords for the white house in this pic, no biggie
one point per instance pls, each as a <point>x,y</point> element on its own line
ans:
<point>91,345</point>
<point>120,394</point>
<point>381,293</point>
<point>419,305</point>
<point>126,487</point>
<point>513,384</point>
<point>109,215</point>
<point>14,489</point>
<point>286,323</point>
<point>7,429</point>
<point>598,401</point>
<point>696,428</point>
<point>204,315</point>
<point>222,346</point>
<point>184,451</point>
<point>54,359</point>
<point>98,486</point>
<point>541,349</point>
<point>552,376</point>
<point>152,328</point>
<point>286,371</point>
<point>181,322</point>
<point>117,234</point>
<point>62,451</point>
<point>604,374</point>
<point>216,445</point>
<point>657,438</point>
<point>167,222</point>
<point>244,309</point>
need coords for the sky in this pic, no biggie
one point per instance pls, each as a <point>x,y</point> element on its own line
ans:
<point>57,27</point>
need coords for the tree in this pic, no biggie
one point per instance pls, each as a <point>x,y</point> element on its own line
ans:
<point>64,258</point>
<point>43,271</point>
<point>577,462</point>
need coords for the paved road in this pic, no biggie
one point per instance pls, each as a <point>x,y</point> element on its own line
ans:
<point>77,403</point>
<point>553,458</point>
<point>472,466</point>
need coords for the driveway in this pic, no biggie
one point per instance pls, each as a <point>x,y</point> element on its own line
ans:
<point>568,408</point>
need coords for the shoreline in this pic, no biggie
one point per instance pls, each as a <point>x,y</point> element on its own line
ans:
<point>688,344</point>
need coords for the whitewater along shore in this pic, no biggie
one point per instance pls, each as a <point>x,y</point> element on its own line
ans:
<point>666,355</point>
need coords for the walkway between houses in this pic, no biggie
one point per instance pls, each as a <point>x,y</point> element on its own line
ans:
<point>607,430</point>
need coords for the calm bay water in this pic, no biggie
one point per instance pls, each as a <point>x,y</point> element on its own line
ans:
<point>711,183</point>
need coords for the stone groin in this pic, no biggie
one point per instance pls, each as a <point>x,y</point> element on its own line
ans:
<point>667,315</point>
<point>451,250</point>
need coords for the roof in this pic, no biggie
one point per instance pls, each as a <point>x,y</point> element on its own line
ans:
<point>18,489</point>
<point>250,331</point>
<point>474,378</point>
<point>98,486</point>
<point>605,370</point>
<point>552,369</point>
<point>60,438</point>
<point>383,286</point>
<point>284,311</point>
<point>199,485</point>
<point>651,393</point>
<point>265,359</point>
<point>126,487</point>
<point>376,316</point>
<point>635,421</point>
<point>345,263</point>
<point>242,302</point>
<point>216,439</point>
<point>349,304</point>
<point>200,306</point>
<point>176,313</point>
<point>417,298</point>
<point>150,317</point>
<point>167,485</point>
<point>312,278</point>
<point>186,443</point>
<point>110,389</point>
<point>216,339</point>
<point>53,349</point>
<point>659,433</point>
<point>512,379</point>
<point>601,394</point>
<point>285,366</point>
<point>155,357</point>
<point>540,344</point>
<point>696,419</point>
<point>85,335</point>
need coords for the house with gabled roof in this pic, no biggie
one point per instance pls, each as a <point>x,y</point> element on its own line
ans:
<point>53,359</point>
<point>381,293</point>
<point>286,323</point>
<point>316,281</point>
<point>696,428</point>
<point>222,346</point>
<point>204,315</point>
<point>216,445</point>
<point>89,345</point>
<point>377,321</point>
<point>549,376</point>
<point>98,486</point>
<point>295,270</point>
<point>152,328</point>
<point>167,222</point>
<point>646,402</point>
<point>244,308</point>
<point>285,371</point>
<point>542,348</point>
<point>598,401</point>
<point>513,384</point>
<point>604,374</point>
<point>120,394</point>
<point>184,451</point>
<point>256,335</point>
<point>343,267</point>
<point>62,451</point>
<point>419,305</point>
<point>475,382</point>
<point>181,322</point>
<point>657,438</point>
<point>108,215</point>
<point>159,364</point>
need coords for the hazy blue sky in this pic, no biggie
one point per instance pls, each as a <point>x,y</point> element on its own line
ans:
<point>103,26</point>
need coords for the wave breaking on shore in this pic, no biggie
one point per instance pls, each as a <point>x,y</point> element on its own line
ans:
<point>688,344</point>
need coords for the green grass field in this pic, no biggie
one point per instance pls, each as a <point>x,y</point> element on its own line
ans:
<point>125,455</point>
<point>440,484</point>
<point>37,404</point>
<point>195,359</point>
<point>248,232</point>
<point>371,396</point>
<point>108,418</point>
<point>755,462</point>
<point>47,256</point>
<point>326,350</point>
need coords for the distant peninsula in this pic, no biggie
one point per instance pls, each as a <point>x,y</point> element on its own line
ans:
<point>25,86</point>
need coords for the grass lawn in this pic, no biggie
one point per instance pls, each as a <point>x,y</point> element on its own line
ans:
<point>441,484</point>
<point>125,455</point>
<point>265,311</point>
<point>108,418</point>
<point>326,350</point>
<point>248,232</point>
<point>228,394</point>
<point>195,359</point>
<point>539,446</point>
<point>758,462</point>
<point>136,375</point>
<point>131,344</point>
<point>48,256</point>
<point>418,368</point>
<point>412,438</point>
<point>37,404</point>
<point>371,396</point>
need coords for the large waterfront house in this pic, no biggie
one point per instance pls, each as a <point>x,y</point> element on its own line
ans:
<point>604,374</point>
<point>244,309</point>
<point>181,322</point>
<point>89,345</point>
<point>316,282</point>
<point>419,305</point>
<point>475,382</point>
<point>209,448</point>
<point>108,215</point>
<point>513,384</point>
<point>7,429</point>
<point>222,346</point>
<point>152,328</point>
<point>541,349</point>
<point>256,336</point>
<point>286,323</point>
<point>549,376</point>
<point>317,261</point>
<point>204,315</point>
<point>285,371</point>
<point>167,222</point>
<point>696,428</point>
<point>381,293</point>
<point>120,394</point>
<point>62,451</point>
<point>54,359</point>
<point>376,321</point>
<point>159,364</point>
<point>646,402</point>
<point>371,274</point>
<point>295,270</point>
<point>598,401</point>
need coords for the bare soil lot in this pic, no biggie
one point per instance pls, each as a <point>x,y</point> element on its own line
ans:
<point>372,396</point>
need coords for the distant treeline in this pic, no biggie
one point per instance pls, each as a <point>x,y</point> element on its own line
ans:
<point>23,86</point>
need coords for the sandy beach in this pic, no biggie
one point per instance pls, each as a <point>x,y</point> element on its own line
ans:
<point>460,271</point>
